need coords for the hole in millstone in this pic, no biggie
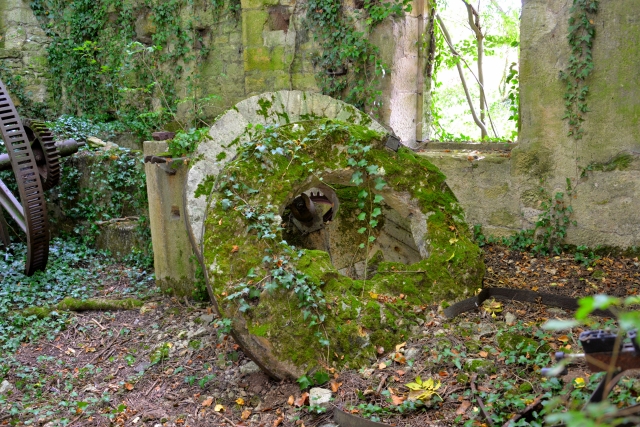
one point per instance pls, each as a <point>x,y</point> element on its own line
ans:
<point>313,221</point>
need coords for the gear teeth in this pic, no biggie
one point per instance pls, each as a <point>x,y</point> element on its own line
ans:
<point>25,169</point>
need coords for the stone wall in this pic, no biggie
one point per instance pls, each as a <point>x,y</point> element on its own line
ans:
<point>23,46</point>
<point>262,47</point>
<point>604,199</point>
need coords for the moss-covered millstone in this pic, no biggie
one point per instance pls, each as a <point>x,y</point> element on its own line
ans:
<point>292,310</point>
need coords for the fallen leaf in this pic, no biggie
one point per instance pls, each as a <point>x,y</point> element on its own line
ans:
<point>443,374</point>
<point>381,366</point>
<point>218,408</point>
<point>373,295</point>
<point>399,358</point>
<point>401,345</point>
<point>128,386</point>
<point>245,414</point>
<point>579,383</point>
<point>463,407</point>
<point>240,401</point>
<point>397,400</point>
<point>302,400</point>
<point>277,422</point>
<point>90,349</point>
<point>335,386</point>
<point>290,400</point>
<point>483,353</point>
<point>235,249</point>
<point>400,372</point>
<point>563,338</point>
<point>208,401</point>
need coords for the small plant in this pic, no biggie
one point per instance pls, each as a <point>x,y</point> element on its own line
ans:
<point>423,391</point>
<point>582,32</point>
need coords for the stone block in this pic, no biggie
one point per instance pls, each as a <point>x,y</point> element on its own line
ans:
<point>173,259</point>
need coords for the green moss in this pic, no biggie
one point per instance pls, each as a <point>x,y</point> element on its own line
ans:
<point>620,162</point>
<point>480,366</point>
<point>39,312</point>
<point>221,156</point>
<point>359,314</point>
<point>74,304</point>
<point>264,104</point>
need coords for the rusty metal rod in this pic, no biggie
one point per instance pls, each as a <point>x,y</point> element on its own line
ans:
<point>65,148</point>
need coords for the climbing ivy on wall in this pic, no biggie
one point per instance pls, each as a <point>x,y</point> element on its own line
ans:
<point>102,67</point>
<point>349,64</point>
<point>582,32</point>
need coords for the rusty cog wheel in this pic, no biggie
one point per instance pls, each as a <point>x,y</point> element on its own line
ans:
<point>45,152</point>
<point>31,216</point>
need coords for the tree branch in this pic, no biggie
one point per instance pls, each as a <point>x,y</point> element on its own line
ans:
<point>447,38</point>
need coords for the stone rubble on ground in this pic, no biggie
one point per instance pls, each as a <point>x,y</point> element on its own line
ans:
<point>319,397</point>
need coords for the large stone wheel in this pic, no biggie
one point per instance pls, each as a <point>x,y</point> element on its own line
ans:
<point>338,296</point>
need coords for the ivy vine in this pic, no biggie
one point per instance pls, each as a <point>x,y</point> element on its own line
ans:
<point>348,63</point>
<point>101,67</point>
<point>582,32</point>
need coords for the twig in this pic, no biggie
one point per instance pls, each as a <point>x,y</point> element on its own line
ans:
<point>75,419</point>
<point>382,381</point>
<point>98,323</point>
<point>486,414</point>
<point>226,419</point>
<point>152,386</point>
<point>524,412</point>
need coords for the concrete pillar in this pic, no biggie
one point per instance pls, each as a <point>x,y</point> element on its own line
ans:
<point>173,257</point>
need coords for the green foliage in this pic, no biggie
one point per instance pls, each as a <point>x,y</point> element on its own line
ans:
<point>99,70</point>
<point>513,95</point>
<point>116,188</point>
<point>547,236</point>
<point>582,32</point>
<point>575,413</point>
<point>81,128</point>
<point>185,142</point>
<point>348,63</point>
<point>318,378</point>
<point>67,275</point>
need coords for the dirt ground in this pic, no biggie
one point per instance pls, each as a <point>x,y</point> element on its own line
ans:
<point>171,364</point>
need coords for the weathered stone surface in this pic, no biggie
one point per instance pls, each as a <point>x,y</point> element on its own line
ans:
<point>172,255</point>
<point>319,396</point>
<point>421,229</point>
<point>602,200</point>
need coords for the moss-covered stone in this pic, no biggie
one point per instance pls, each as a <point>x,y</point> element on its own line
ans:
<point>480,366</point>
<point>358,315</point>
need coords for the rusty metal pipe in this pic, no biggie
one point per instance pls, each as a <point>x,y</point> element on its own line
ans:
<point>65,149</point>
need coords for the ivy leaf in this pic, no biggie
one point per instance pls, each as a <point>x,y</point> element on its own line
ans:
<point>363,194</point>
<point>362,216</point>
<point>376,212</point>
<point>356,178</point>
<point>226,204</point>
<point>362,230</point>
<point>378,198</point>
<point>380,183</point>
<point>372,169</point>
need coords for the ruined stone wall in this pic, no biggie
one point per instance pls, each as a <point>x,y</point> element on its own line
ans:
<point>23,47</point>
<point>603,167</point>
<point>264,45</point>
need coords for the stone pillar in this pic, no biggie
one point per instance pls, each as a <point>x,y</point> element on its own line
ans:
<point>404,46</point>
<point>603,166</point>
<point>172,253</point>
